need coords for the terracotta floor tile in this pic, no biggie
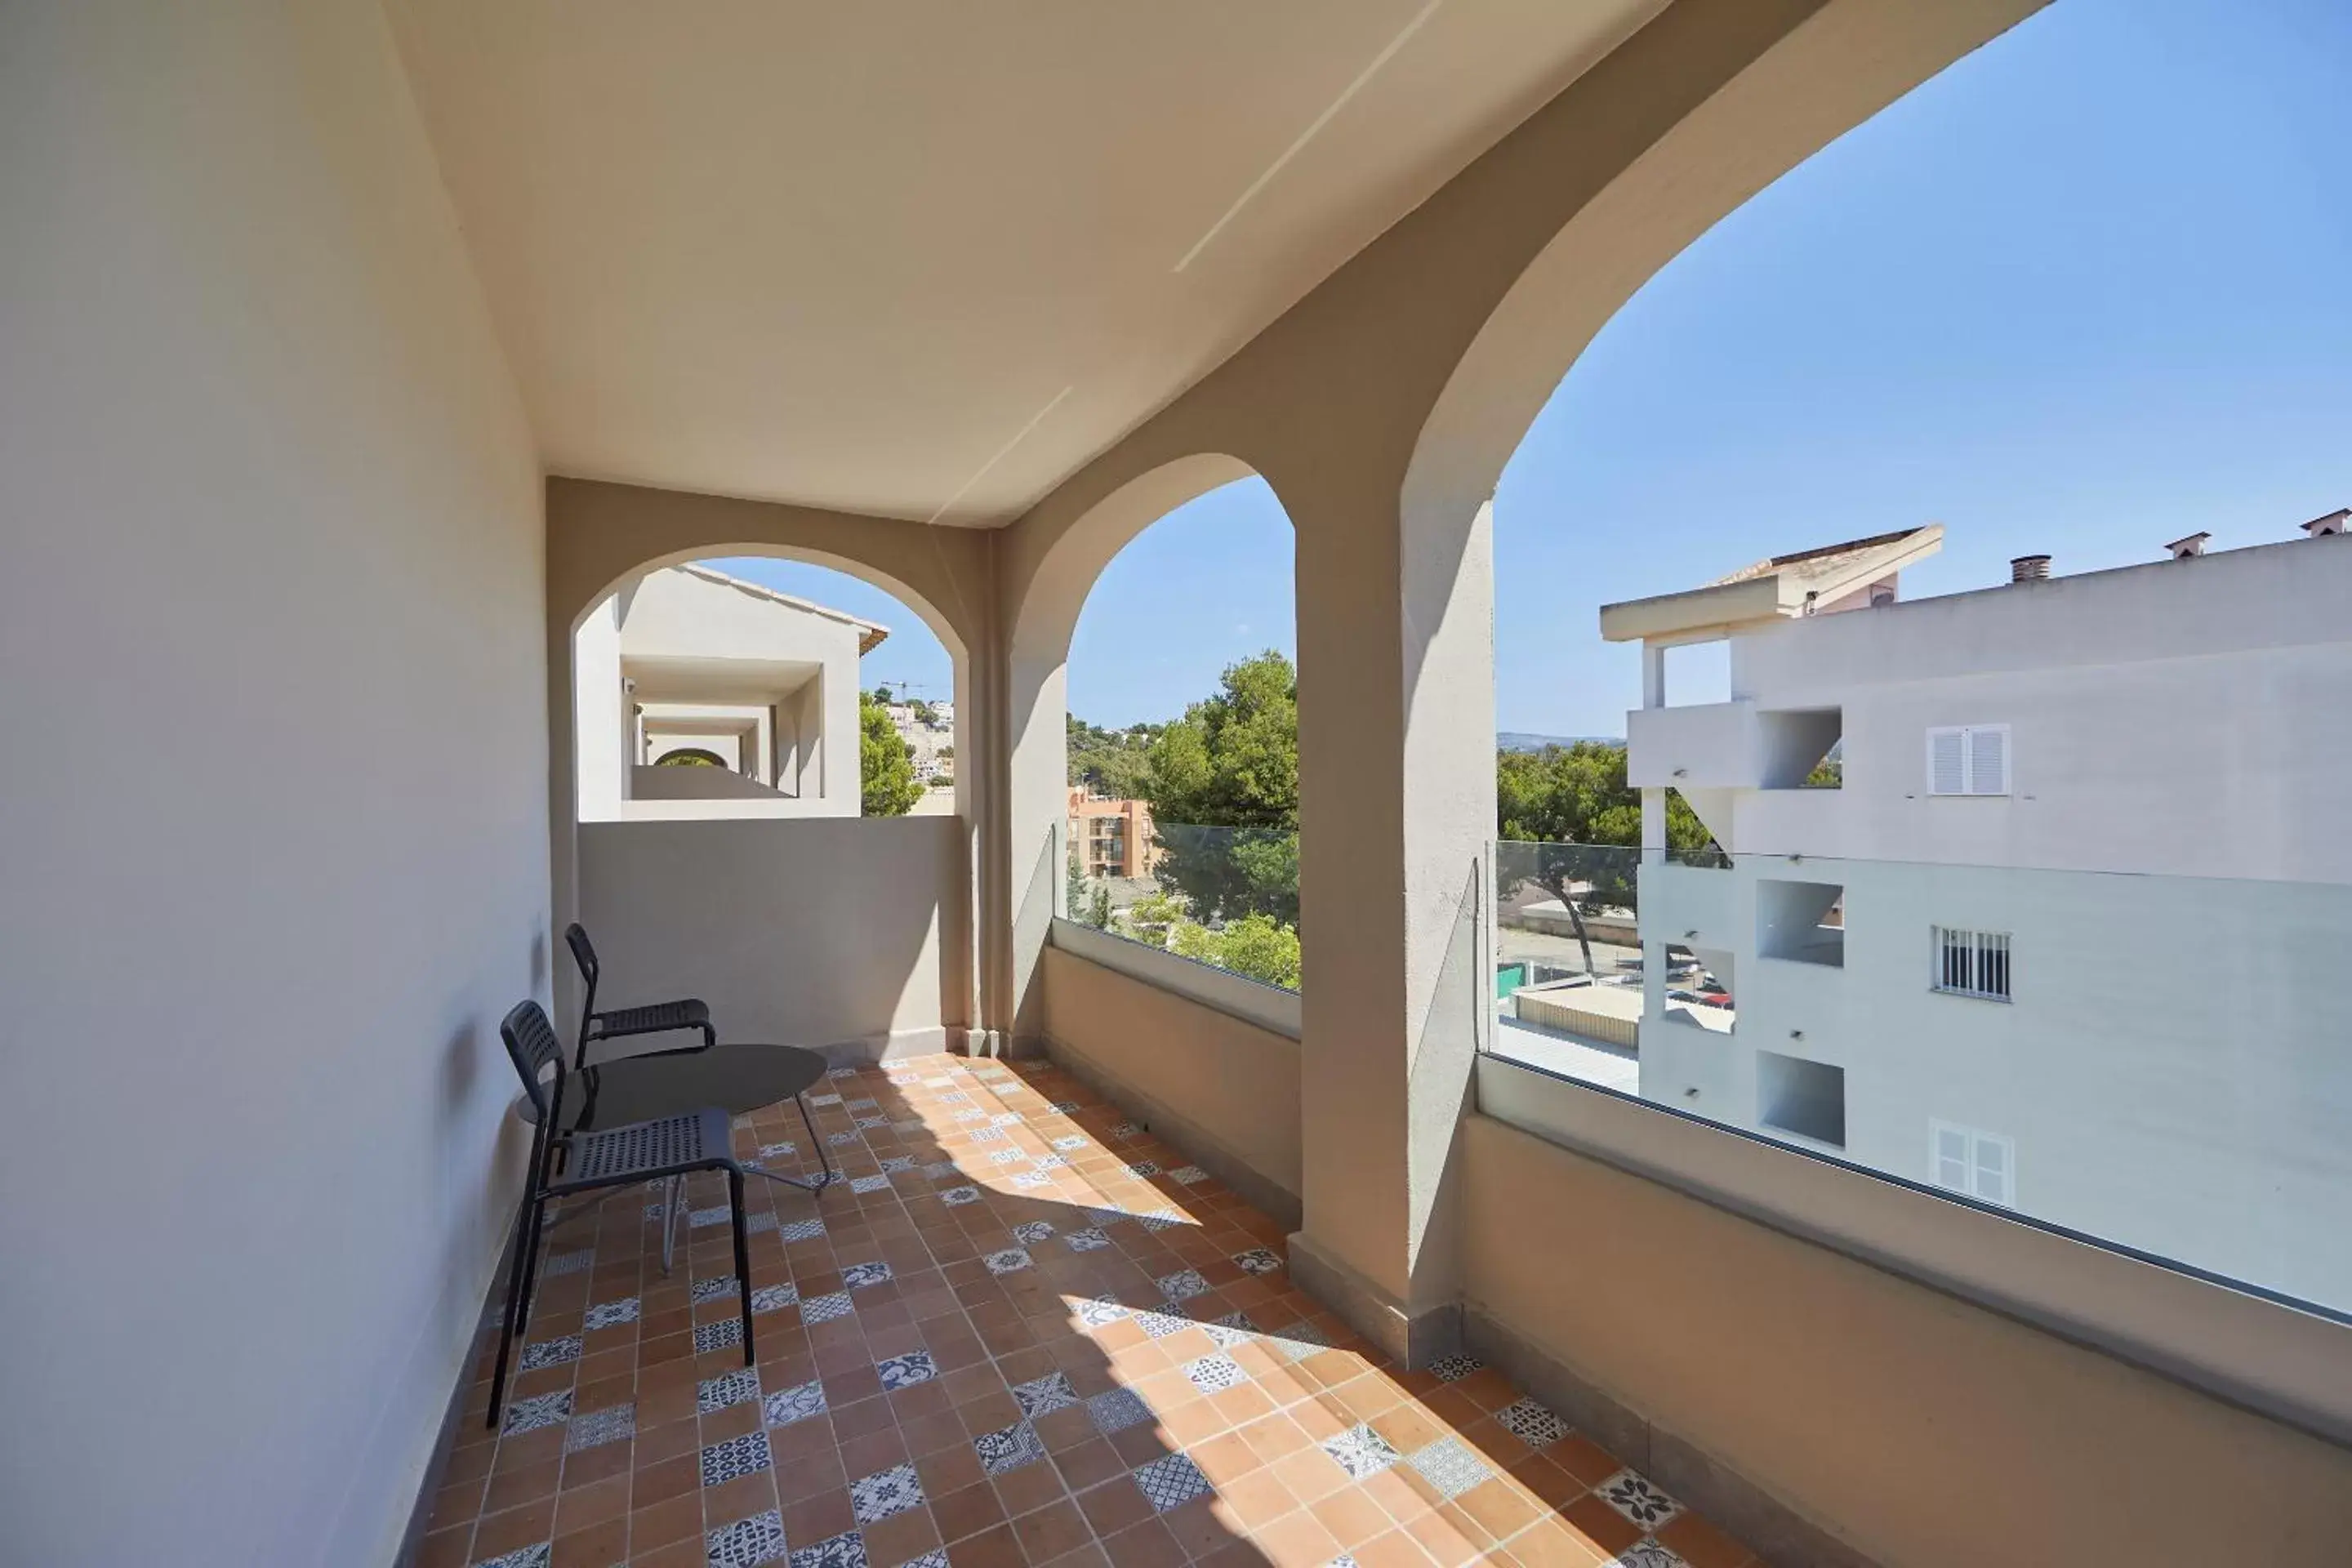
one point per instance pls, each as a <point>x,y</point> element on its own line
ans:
<point>1276,1499</point>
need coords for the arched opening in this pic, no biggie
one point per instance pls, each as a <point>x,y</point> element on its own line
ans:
<point>2004,516</point>
<point>1182,737</point>
<point>763,750</point>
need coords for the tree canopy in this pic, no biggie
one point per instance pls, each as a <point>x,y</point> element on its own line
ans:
<point>1223,785</point>
<point>886,765</point>
<point>1111,763</point>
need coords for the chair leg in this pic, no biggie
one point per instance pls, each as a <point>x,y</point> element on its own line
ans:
<point>823,1161</point>
<point>507,1326</point>
<point>742,1257</point>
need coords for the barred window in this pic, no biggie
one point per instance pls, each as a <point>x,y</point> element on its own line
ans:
<point>1969,962</point>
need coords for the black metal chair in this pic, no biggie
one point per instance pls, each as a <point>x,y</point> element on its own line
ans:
<point>654,1018</point>
<point>563,1164</point>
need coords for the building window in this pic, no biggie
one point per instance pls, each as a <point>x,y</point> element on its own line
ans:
<point>1968,759</point>
<point>1969,963</point>
<point>1981,1164</point>
<point>1806,1098</point>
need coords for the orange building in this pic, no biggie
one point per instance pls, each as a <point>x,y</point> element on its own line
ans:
<point>1113,836</point>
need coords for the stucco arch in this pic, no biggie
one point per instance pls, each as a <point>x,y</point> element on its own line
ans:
<point>1046,604</point>
<point>1826,76</point>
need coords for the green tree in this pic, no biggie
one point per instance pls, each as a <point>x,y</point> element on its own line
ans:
<point>1231,763</point>
<point>1258,946</point>
<point>1583,822</point>
<point>886,766</point>
<point>1111,763</point>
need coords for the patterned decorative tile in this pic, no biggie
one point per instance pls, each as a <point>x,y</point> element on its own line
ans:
<point>717,1336</point>
<point>1159,1325</point>
<point>824,1308</point>
<point>1633,1495</point>
<point>868,1123</point>
<point>1044,1395</point>
<point>1143,1168</point>
<point>1171,1481</point>
<point>1031,1181</point>
<point>1086,1240</point>
<point>988,1134</point>
<point>1007,1157</point>
<point>825,1100</point>
<point>1066,1107</point>
<point>1160,1219</point>
<point>610,1314</point>
<point>1450,1466</point>
<point>1215,1374</point>
<point>842,1140</point>
<point>700,1219</point>
<point>774,1298</point>
<point>1647,1553</point>
<point>1454,1368</point>
<point>869,1183</point>
<point>884,1493</point>
<point>1029,1233</point>
<point>744,1455</point>
<point>1183,1285</point>
<point>711,1289</point>
<point>1094,1314</point>
<point>801,1230</point>
<point>1257,1260</point>
<point>778,1151</point>
<point>537,1556</point>
<point>1008,1119</point>
<point>1361,1451</point>
<point>1009,1449</point>
<point>858,1275</point>
<point>564,1263</point>
<point>1011,1260</point>
<point>550,1353</point>
<point>955,1198</point>
<point>747,1542</point>
<point>1233,1329</point>
<point>898,1162</point>
<point>941,1170</point>
<point>1532,1423</point>
<point>598,1427</point>
<point>729,1388</point>
<point>759,1224</point>
<point>905,1371</point>
<point>1117,1410</point>
<point>846,1550</point>
<point>1190,1175</point>
<point>787,1405</point>
<point>1123,1131</point>
<point>1071,1144</point>
<point>1105,1218</point>
<point>865,1104</point>
<point>540,1410</point>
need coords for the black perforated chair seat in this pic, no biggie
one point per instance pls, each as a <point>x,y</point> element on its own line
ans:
<point>657,1018</point>
<point>642,1151</point>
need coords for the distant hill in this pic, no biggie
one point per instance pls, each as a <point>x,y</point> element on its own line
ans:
<point>1520,741</point>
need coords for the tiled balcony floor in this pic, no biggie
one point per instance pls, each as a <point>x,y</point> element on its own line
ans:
<point>1021,1331</point>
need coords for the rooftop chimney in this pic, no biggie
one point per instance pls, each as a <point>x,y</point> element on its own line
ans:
<point>2029,568</point>
<point>2183,548</point>
<point>2332,523</point>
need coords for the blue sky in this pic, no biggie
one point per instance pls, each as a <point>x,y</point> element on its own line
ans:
<point>2088,290</point>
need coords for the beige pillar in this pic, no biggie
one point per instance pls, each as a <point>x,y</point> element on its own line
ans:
<point>1397,813</point>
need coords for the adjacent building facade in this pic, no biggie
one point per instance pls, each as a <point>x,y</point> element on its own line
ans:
<point>698,693</point>
<point>1112,838</point>
<point>2063,935</point>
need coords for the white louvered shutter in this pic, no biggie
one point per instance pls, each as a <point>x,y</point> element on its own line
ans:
<point>1992,1169</point>
<point>1988,748</point>
<point>1948,770</point>
<point>1952,1164</point>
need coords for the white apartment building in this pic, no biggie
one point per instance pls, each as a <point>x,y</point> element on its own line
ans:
<point>2067,937</point>
<point>753,691</point>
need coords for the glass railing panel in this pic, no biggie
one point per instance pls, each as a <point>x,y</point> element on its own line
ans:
<point>1227,897</point>
<point>2158,1063</point>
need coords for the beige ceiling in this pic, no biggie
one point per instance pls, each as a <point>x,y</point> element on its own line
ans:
<point>925,257</point>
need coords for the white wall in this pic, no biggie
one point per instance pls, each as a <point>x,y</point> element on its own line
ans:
<point>2193,718</point>
<point>258,453</point>
<point>824,931</point>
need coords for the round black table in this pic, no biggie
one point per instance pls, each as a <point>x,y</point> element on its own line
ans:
<point>736,1077</point>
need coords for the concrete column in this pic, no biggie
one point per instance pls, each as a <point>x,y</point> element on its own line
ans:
<point>1397,812</point>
